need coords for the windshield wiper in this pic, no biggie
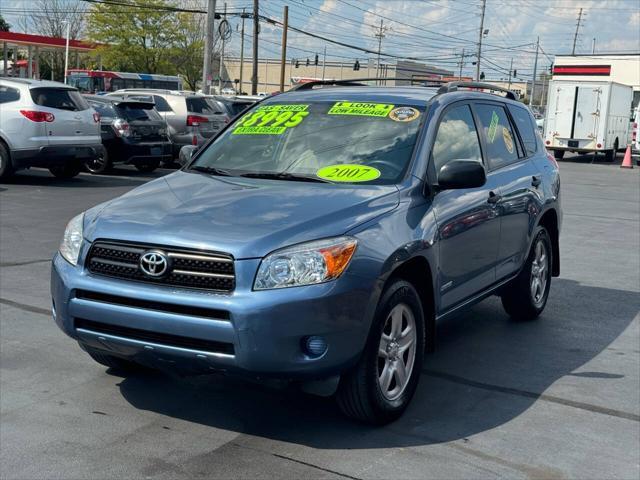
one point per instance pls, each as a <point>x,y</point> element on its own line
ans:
<point>285,176</point>
<point>211,170</point>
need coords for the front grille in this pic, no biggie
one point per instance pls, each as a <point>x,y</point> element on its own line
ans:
<point>167,339</point>
<point>186,268</point>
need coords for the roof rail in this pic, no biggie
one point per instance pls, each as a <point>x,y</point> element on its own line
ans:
<point>351,82</point>
<point>454,86</point>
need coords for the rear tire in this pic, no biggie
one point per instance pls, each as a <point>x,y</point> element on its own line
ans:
<point>610,155</point>
<point>112,362</point>
<point>558,154</point>
<point>65,171</point>
<point>99,165</point>
<point>379,388</point>
<point>6,168</point>
<point>148,166</point>
<point>526,296</point>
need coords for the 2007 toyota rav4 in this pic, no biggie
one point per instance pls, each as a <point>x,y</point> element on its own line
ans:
<point>319,238</point>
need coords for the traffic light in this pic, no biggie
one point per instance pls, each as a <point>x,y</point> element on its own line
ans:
<point>316,60</point>
<point>307,62</point>
<point>297,63</point>
<point>551,68</point>
<point>515,73</point>
<point>356,66</point>
<point>481,75</point>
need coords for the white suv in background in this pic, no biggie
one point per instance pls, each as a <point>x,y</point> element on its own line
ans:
<point>45,124</point>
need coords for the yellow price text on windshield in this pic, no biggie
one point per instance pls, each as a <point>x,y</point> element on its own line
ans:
<point>348,173</point>
<point>271,120</point>
<point>361,109</point>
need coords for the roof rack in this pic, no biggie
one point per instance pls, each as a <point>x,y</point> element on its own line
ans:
<point>351,82</point>
<point>454,86</point>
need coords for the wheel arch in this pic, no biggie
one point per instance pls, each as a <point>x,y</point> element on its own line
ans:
<point>549,220</point>
<point>417,271</point>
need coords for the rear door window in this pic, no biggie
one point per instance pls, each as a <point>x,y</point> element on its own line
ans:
<point>500,140</point>
<point>526,127</point>
<point>8,94</point>
<point>59,98</point>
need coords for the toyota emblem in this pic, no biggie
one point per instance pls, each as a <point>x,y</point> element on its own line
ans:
<point>154,263</point>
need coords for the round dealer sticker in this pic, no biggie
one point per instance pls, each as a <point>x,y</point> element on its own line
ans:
<point>404,114</point>
<point>348,173</point>
<point>508,139</point>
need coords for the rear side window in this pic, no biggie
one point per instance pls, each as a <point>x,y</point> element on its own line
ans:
<point>60,98</point>
<point>526,128</point>
<point>8,94</point>
<point>499,136</point>
<point>457,138</point>
<point>104,109</point>
<point>132,113</point>
<point>161,104</point>
<point>200,105</point>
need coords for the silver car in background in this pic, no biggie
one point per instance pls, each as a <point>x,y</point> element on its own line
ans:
<point>191,119</point>
<point>45,124</point>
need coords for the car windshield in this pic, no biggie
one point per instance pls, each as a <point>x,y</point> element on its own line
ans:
<point>337,141</point>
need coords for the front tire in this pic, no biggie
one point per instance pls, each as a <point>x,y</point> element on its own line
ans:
<point>525,298</point>
<point>379,388</point>
<point>65,171</point>
<point>6,168</point>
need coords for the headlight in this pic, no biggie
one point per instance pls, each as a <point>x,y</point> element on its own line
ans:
<point>305,264</point>
<point>72,240</point>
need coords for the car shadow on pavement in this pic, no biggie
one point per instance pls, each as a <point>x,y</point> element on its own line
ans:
<point>42,178</point>
<point>486,371</point>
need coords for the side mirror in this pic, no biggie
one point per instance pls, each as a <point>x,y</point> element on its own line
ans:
<point>186,153</point>
<point>461,174</point>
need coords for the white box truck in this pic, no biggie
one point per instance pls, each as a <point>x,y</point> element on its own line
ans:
<point>587,117</point>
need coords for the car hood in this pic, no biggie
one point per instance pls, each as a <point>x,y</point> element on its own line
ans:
<point>247,218</point>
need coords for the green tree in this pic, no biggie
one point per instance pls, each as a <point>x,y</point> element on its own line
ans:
<point>188,50</point>
<point>4,26</point>
<point>136,38</point>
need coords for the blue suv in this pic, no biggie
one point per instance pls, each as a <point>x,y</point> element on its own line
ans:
<point>320,238</point>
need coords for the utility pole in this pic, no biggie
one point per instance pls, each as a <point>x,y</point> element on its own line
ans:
<point>223,33</point>
<point>256,26</point>
<point>535,71</point>
<point>510,72</point>
<point>575,36</point>
<point>461,64</point>
<point>324,62</point>
<point>380,35</point>
<point>283,60</point>
<point>484,5</point>
<point>208,46</point>
<point>66,53</point>
<point>243,16</point>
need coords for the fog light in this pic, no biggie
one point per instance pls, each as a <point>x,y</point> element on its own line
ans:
<point>314,346</point>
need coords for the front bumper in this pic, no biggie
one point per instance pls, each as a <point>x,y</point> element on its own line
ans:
<point>54,155</point>
<point>265,328</point>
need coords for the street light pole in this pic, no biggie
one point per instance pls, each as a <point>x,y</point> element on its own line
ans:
<point>66,52</point>
<point>208,46</point>
<point>484,4</point>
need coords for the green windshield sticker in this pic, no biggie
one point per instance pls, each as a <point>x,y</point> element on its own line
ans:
<point>271,120</point>
<point>348,173</point>
<point>493,126</point>
<point>361,109</point>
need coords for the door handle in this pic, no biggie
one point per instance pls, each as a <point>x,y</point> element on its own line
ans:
<point>493,198</point>
<point>536,181</point>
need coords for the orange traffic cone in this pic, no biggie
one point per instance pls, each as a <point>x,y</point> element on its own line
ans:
<point>626,162</point>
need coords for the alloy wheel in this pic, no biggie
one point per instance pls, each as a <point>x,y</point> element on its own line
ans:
<point>539,273</point>
<point>397,352</point>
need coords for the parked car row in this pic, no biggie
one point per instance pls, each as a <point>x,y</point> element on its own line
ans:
<point>51,125</point>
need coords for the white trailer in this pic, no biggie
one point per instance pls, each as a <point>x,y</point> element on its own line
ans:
<point>587,117</point>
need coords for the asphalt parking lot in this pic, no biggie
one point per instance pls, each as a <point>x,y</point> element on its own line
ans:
<point>556,398</point>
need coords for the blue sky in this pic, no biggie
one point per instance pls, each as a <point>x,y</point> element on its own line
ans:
<point>435,30</point>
